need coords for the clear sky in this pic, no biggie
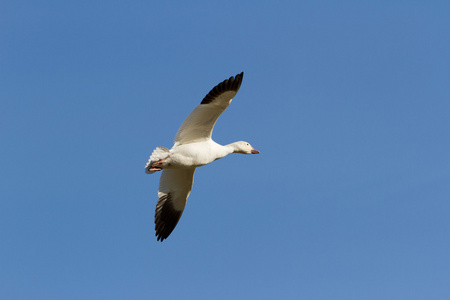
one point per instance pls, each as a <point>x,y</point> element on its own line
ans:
<point>348,102</point>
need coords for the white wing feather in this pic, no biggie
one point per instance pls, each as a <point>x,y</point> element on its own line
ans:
<point>174,189</point>
<point>198,126</point>
<point>178,183</point>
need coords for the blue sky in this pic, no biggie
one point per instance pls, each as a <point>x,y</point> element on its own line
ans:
<point>348,102</point>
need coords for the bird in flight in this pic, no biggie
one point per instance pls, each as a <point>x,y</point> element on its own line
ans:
<point>193,147</point>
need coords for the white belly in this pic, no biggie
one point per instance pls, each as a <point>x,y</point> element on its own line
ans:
<point>195,154</point>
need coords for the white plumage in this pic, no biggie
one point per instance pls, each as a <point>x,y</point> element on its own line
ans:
<point>193,148</point>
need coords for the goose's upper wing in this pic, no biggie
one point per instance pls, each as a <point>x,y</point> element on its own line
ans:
<point>174,188</point>
<point>199,125</point>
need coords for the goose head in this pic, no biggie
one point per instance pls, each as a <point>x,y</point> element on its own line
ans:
<point>244,148</point>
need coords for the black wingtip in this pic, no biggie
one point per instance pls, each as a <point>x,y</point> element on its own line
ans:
<point>230,84</point>
<point>166,217</point>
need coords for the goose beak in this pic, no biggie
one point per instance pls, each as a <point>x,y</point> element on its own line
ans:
<point>254,151</point>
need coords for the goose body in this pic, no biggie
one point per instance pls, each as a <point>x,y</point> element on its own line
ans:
<point>193,147</point>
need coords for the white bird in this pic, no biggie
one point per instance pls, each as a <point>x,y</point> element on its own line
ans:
<point>193,147</point>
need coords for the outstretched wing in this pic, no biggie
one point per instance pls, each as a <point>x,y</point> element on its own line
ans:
<point>174,188</point>
<point>199,125</point>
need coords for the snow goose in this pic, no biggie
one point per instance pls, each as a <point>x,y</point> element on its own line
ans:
<point>193,147</point>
